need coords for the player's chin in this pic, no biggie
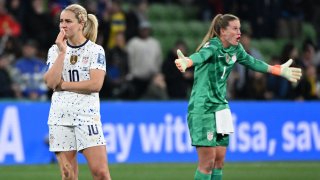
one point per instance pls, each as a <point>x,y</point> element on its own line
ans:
<point>236,41</point>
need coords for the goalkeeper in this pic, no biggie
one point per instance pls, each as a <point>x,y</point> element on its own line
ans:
<point>209,116</point>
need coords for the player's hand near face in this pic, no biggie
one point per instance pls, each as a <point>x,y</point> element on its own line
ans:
<point>53,76</point>
<point>61,41</point>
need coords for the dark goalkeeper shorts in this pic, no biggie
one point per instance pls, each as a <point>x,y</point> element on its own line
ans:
<point>203,131</point>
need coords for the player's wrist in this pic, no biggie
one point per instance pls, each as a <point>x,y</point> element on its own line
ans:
<point>189,62</point>
<point>60,86</point>
<point>275,70</point>
<point>63,85</point>
<point>62,53</point>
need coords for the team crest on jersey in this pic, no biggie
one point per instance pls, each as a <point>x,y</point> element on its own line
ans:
<point>73,59</point>
<point>209,135</point>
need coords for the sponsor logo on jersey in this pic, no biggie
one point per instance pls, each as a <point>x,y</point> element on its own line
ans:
<point>73,59</point>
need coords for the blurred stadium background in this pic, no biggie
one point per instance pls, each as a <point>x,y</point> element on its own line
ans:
<point>277,123</point>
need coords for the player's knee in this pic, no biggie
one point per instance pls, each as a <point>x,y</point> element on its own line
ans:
<point>100,173</point>
<point>206,166</point>
<point>218,164</point>
<point>67,172</point>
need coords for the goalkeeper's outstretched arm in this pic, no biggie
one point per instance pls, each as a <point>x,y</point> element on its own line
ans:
<point>293,74</point>
<point>182,62</point>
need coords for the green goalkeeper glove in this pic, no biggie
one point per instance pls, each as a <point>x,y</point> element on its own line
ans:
<point>291,73</point>
<point>182,62</point>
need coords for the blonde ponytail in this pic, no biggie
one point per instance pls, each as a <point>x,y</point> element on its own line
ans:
<point>90,30</point>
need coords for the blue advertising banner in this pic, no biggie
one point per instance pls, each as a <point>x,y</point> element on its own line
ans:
<point>150,132</point>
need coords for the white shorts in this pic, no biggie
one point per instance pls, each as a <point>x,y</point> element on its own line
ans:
<point>68,138</point>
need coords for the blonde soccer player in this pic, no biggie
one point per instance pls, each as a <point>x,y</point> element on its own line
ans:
<point>209,116</point>
<point>76,71</point>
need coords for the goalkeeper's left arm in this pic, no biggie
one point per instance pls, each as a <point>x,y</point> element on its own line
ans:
<point>291,73</point>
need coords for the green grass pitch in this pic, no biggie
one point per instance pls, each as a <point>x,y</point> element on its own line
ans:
<point>232,171</point>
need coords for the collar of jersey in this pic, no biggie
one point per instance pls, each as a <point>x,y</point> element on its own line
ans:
<point>77,46</point>
<point>228,49</point>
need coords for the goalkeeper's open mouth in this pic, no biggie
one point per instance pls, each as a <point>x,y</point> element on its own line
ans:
<point>238,38</point>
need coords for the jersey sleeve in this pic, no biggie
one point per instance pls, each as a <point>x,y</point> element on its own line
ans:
<point>98,58</point>
<point>52,56</point>
<point>250,62</point>
<point>203,54</point>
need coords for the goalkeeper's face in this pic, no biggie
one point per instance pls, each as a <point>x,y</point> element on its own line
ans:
<point>231,34</point>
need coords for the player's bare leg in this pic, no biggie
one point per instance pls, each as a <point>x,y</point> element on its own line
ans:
<point>206,158</point>
<point>97,161</point>
<point>220,156</point>
<point>219,162</point>
<point>68,165</point>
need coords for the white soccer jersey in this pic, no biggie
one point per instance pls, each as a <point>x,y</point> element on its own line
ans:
<point>70,108</point>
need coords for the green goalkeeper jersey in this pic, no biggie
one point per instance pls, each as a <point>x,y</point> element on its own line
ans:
<point>213,64</point>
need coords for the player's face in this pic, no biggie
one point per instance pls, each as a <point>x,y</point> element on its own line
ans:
<point>70,23</point>
<point>231,35</point>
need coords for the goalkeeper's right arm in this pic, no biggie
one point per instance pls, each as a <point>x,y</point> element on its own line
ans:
<point>182,62</point>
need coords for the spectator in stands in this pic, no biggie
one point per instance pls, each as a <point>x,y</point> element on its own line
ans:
<point>38,25</point>
<point>309,86</point>
<point>157,89</point>
<point>145,59</point>
<point>178,84</point>
<point>17,9</point>
<point>11,45</point>
<point>308,54</point>
<point>115,85</point>
<point>257,86</point>
<point>290,20</point>
<point>209,118</point>
<point>209,8</point>
<point>8,89</point>
<point>117,22</point>
<point>30,70</point>
<point>135,16</point>
<point>8,25</point>
<point>104,25</point>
